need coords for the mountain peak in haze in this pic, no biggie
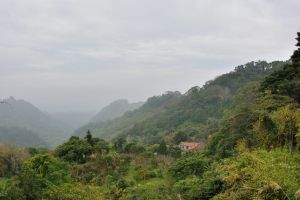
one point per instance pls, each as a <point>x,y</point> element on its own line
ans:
<point>115,109</point>
<point>19,119</point>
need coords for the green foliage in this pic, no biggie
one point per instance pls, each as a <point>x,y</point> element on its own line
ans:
<point>195,164</point>
<point>264,132</point>
<point>261,120</point>
<point>133,147</point>
<point>284,82</point>
<point>285,119</point>
<point>119,144</point>
<point>113,128</point>
<point>179,137</point>
<point>11,159</point>
<point>9,190</point>
<point>261,174</point>
<point>40,173</point>
<point>162,148</point>
<point>154,190</point>
<point>174,151</point>
<point>188,188</point>
<point>296,55</point>
<point>243,74</point>
<point>37,150</point>
<point>195,114</point>
<point>253,138</point>
<point>196,188</point>
<point>73,192</point>
<point>89,138</point>
<point>106,168</point>
<point>235,127</point>
<point>146,173</point>
<point>74,150</point>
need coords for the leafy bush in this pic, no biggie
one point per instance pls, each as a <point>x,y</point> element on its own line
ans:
<point>74,150</point>
<point>9,190</point>
<point>261,174</point>
<point>193,165</point>
<point>154,190</point>
<point>41,172</point>
<point>73,192</point>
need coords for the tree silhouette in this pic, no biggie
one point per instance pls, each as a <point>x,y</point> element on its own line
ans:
<point>286,81</point>
<point>89,138</point>
<point>296,55</point>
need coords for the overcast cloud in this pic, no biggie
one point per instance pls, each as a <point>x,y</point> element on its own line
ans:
<point>65,55</point>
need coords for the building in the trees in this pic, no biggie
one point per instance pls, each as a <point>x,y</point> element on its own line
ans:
<point>191,146</point>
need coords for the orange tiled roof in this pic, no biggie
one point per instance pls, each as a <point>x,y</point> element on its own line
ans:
<point>192,145</point>
<point>189,144</point>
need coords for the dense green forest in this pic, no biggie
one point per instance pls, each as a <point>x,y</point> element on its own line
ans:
<point>194,115</point>
<point>250,119</point>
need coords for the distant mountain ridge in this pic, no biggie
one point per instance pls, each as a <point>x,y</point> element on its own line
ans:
<point>73,120</point>
<point>191,114</point>
<point>22,123</point>
<point>160,117</point>
<point>115,109</point>
<point>111,128</point>
<point>22,119</point>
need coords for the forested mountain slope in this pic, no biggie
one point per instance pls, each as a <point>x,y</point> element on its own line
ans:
<point>190,116</point>
<point>20,137</point>
<point>112,128</point>
<point>23,120</point>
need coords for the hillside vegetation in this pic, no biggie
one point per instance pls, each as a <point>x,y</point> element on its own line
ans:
<point>173,116</point>
<point>252,154</point>
<point>20,136</point>
<point>113,128</point>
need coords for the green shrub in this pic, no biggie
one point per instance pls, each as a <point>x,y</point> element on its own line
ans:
<point>41,172</point>
<point>154,190</point>
<point>9,190</point>
<point>261,174</point>
<point>195,164</point>
<point>73,192</point>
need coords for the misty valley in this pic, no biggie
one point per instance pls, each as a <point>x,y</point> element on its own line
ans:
<point>236,137</point>
<point>149,100</point>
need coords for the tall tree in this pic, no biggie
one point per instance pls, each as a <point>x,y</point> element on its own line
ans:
<point>119,144</point>
<point>286,81</point>
<point>75,150</point>
<point>89,138</point>
<point>162,148</point>
<point>296,56</point>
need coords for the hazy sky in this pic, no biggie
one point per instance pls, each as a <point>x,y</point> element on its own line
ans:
<point>82,54</point>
